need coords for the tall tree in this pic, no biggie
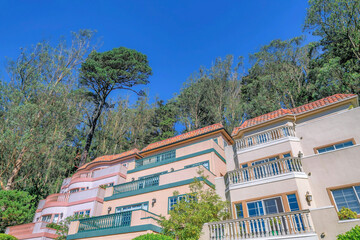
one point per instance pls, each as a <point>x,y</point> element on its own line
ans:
<point>337,67</point>
<point>39,109</point>
<point>102,73</point>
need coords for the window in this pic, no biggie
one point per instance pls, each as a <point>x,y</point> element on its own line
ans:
<point>216,140</point>
<point>205,164</point>
<point>294,206</point>
<point>265,206</point>
<point>144,206</point>
<point>156,158</point>
<point>74,190</point>
<point>287,155</point>
<point>175,199</point>
<point>347,197</point>
<point>46,218</point>
<point>239,210</point>
<point>82,212</point>
<point>152,175</point>
<point>335,146</point>
<point>82,189</point>
<point>55,218</point>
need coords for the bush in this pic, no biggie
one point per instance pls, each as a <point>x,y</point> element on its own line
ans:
<point>353,234</point>
<point>346,213</point>
<point>152,236</point>
<point>7,237</point>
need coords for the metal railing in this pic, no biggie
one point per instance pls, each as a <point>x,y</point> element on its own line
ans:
<point>105,222</point>
<point>282,224</point>
<point>265,137</point>
<point>263,170</point>
<point>136,185</point>
<point>156,158</point>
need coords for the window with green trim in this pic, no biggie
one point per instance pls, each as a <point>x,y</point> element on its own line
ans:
<point>176,199</point>
<point>205,164</point>
<point>133,207</point>
<point>153,175</point>
<point>156,158</point>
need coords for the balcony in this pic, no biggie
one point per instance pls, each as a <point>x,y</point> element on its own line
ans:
<point>67,199</point>
<point>264,170</point>
<point>285,225</point>
<point>156,182</point>
<point>32,230</point>
<point>264,137</point>
<point>117,223</point>
<point>136,185</point>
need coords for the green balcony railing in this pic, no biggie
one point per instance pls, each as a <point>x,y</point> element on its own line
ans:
<point>136,185</point>
<point>105,222</point>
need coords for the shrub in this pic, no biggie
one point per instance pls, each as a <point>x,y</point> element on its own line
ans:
<point>353,234</point>
<point>7,237</point>
<point>346,213</point>
<point>152,236</point>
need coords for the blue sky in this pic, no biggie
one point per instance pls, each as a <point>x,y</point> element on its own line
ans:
<point>177,36</point>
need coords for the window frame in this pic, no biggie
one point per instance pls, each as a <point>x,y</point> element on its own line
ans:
<point>263,204</point>
<point>332,198</point>
<point>76,213</point>
<point>186,195</point>
<point>316,149</point>
<point>199,164</point>
<point>279,155</point>
<point>129,205</point>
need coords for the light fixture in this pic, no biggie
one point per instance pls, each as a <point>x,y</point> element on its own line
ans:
<point>133,179</point>
<point>109,210</point>
<point>308,197</point>
<point>61,215</point>
<point>300,154</point>
<point>172,169</point>
<point>153,201</point>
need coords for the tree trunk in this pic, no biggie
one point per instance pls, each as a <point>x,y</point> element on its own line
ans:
<point>15,171</point>
<point>94,119</point>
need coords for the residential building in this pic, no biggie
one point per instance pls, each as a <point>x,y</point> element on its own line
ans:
<point>81,194</point>
<point>130,209</point>
<point>290,171</point>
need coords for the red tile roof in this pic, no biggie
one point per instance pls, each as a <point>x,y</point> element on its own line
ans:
<point>295,111</point>
<point>109,158</point>
<point>184,136</point>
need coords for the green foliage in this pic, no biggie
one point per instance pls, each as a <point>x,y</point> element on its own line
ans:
<point>7,237</point>
<point>16,207</point>
<point>353,234</point>
<point>201,205</point>
<point>153,236</point>
<point>102,73</point>
<point>62,228</point>
<point>346,213</point>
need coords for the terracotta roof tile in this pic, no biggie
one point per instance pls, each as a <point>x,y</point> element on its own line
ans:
<point>111,157</point>
<point>184,136</point>
<point>298,110</point>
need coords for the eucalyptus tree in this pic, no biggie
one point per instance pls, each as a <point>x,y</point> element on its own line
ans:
<point>103,73</point>
<point>39,110</point>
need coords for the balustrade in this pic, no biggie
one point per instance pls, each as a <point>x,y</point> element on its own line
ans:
<point>282,224</point>
<point>136,185</point>
<point>105,222</point>
<point>265,137</point>
<point>263,170</point>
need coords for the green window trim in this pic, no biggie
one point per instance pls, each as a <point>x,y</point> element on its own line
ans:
<point>173,200</point>
<point>157,188</point>
<point>130,205</point>
<point>204,163</point>
<point>153,175</point>
<point>137,169</point>
<point>156,158</point>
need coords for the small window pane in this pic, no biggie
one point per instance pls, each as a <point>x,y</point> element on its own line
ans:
<point>255,209</point>
<point>287,155</point>
<point>56,218</point>
<point>46,218</point>
<point>346,198</point>
<point>239,210</point>
<point>294,206</point>
<point>87,213</point>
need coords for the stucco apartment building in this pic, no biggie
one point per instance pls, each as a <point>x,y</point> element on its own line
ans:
<point>290,171</point>
<point>286,175</point>
<point>81,194</point>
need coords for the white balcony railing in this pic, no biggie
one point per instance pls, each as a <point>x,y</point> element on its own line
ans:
<point>264,170</point>
<point>276,225</point>
<point>265,137</point>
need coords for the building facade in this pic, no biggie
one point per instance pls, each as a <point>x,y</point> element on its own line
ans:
<point>131,209</point>
<point>81,194</point>
<point>290,171</point>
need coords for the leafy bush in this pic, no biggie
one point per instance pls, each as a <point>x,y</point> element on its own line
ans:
<point>152,236</point>
<point>346,213</point>
<point>16,207</point>
<point>353,234</point>
<point>62,228</point>
<point>7,237</point>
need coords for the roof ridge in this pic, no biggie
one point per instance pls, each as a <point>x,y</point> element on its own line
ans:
<point>293,111</point>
